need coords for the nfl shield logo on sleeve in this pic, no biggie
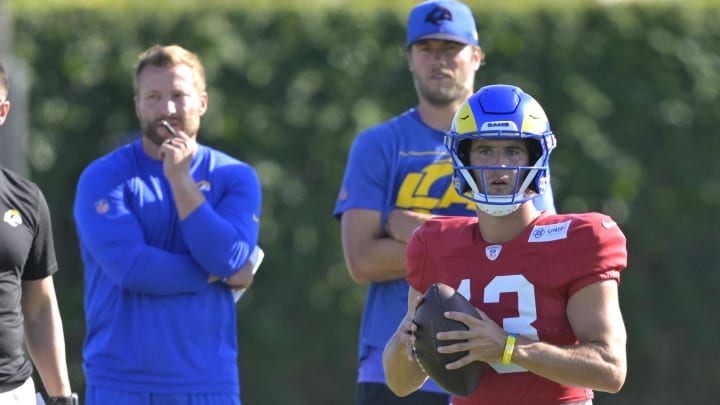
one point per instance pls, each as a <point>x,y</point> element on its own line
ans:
<point>492,252</point>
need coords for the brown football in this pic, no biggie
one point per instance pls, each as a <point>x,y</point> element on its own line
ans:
<point>438,299</point>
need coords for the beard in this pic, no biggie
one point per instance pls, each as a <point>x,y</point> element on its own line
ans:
<point>150,129</point>
<point>441,95</point>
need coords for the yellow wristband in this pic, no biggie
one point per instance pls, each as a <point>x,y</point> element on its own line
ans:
<point>509,348</point>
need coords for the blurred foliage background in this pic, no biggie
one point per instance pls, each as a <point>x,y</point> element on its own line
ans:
<point>631,89</point>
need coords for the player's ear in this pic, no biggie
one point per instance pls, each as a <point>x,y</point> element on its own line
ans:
<point>203,103</point>
<point>408,56</point>
<point>136,102</point>
<point>4,109</point>
<point>478,58</point>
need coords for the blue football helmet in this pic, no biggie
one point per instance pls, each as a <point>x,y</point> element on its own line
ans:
<point>500,112</point>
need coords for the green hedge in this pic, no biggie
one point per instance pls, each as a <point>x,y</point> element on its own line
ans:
<point>632,95</point>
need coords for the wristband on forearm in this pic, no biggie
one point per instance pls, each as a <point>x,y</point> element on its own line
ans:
<point>69,400</point>
<point>509,348</point>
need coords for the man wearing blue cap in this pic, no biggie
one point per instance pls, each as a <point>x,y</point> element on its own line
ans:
<point>399,174</point>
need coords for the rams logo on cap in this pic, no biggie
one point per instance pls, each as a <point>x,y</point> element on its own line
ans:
<point>438,15</point>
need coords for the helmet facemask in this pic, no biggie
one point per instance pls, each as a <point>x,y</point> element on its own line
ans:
<point>530,180</point>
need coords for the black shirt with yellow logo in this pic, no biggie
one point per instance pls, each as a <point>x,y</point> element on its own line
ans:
<point>26,253</point>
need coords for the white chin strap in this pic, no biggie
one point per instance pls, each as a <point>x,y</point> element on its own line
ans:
<point>498,205</point>
<point>501,206</point>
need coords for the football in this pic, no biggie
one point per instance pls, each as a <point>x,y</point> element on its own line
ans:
<point>430,320</point>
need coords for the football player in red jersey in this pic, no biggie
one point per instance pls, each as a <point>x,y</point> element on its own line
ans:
<point>546,285</point>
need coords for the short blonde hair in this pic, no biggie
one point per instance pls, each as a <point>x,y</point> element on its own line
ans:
<point>170,56</point>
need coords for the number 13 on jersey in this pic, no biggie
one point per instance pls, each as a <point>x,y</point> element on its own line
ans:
<point>526,306</point>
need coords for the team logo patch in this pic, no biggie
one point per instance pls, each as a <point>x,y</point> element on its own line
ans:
<point>607,223</point>
<point>493,252</point>
<point>102,206</point>
<point>549,233</point>
<point>203,185</point>
<point>12,217</point>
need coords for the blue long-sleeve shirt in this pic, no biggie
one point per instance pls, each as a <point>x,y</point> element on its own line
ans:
<point>154,323</point>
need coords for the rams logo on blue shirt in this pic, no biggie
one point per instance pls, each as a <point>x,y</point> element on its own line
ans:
<point>203,185</point>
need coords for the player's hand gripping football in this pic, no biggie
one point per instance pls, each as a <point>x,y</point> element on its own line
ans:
<point>485,339</point>
<point>408,328</point>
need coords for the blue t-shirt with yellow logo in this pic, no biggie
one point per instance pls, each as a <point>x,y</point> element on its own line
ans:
<point>401,163</point>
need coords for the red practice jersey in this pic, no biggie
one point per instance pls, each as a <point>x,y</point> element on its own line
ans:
<point>523,285</point>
